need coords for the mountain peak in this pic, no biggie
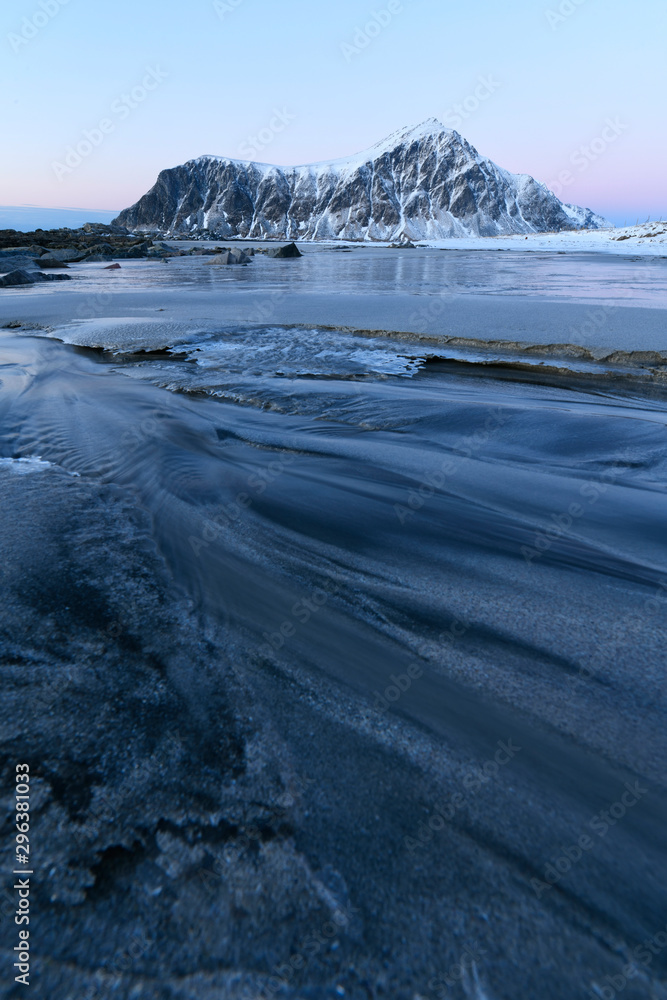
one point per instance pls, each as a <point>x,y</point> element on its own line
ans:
<point>423,181</point>
<point>424,130</point>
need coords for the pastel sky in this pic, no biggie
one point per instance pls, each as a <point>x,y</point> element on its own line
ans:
<point>296,81</point>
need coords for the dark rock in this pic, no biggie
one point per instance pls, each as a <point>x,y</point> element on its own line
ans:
<point>17,262</point>
<point>289,251</point>
<point>98,248</point>
<point>100,227</point>
<point>139,250</point>
<point>49,261</point>
<point>230,257</point>
<point>9,252</point>
<point>112,267</point>
<point>67,255</point>
<point>17,277</point>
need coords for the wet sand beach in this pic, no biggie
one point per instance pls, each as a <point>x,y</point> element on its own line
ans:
<point>333,624</point>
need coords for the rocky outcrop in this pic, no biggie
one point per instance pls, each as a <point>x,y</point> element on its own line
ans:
<point>93,242</point>
<point>20,277</point>
<point>285,253</point>
<point>420,183</point>
<point>229,257</point>
<point>17,277</point>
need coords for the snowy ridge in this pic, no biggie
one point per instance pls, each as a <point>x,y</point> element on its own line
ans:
<point>421,182</point>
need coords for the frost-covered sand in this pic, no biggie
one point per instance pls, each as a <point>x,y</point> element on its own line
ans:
<point>327,648</point>
<point>599,304</point>
<point>646,240</point>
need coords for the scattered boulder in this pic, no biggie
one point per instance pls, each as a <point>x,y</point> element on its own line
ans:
<point>10,252</point>
<point>291,250</point>
<point>163,250</point>
<point>21,277</point>
<point>101,227</point>
<point>140,250</point>
<point>230,257</point>
<point>16,277</point>
<point>112,267</point>
<point>99,248</point>
<point>17,262</point>
<point>49,261</point>
<point>160,254</point>
<point>68,255</point>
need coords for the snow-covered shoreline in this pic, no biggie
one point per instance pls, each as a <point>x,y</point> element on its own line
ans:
<point>648,239</point>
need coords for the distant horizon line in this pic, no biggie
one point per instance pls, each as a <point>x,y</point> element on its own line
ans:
<point>58,208</point>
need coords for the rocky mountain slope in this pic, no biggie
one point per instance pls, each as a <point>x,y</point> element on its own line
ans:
<point>424,182</point>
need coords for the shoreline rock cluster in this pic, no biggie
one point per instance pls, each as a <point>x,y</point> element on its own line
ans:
<point>24,257</point>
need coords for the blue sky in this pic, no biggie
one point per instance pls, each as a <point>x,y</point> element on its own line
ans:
<point>571,91</point>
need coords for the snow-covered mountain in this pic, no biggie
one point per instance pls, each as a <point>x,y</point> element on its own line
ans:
<point>424,182</point>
